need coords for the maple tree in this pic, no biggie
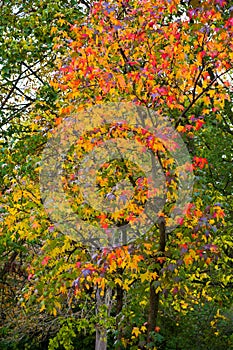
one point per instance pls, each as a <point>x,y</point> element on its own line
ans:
<point>173,58</point>
<point>27,58</point>
<point>27,61</point>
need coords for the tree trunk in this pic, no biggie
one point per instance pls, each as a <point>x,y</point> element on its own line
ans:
<point>101,339</point>
<point>119,305</point>
<point>154,297</point>
<point>153,311</point>
<point>101,330</point>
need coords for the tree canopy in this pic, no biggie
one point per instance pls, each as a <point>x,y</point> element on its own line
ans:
<point>116,122</point>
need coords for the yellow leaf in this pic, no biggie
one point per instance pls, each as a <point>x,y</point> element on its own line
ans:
<point>54,312</point>
<point>136,331</point>
<point>12,211</point>
<point>183,305</point>
<point>53,30</point>
<point>143,328</point>
<point>118,281</point>
<point>63,289</point>
<point>180,128</point>
<point>57,304</point>
<point>61,21</point>
<point>146,276</point>
<point>42,307</point>
<point>13,237</point>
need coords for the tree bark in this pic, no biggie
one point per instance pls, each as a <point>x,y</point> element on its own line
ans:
<point>154,296</point>
<point>153,311</point>
<point>101,330</point>
<point>119,305</point>
<point>101,339</point>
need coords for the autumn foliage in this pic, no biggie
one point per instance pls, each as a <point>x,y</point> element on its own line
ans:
<point>174,58</point>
